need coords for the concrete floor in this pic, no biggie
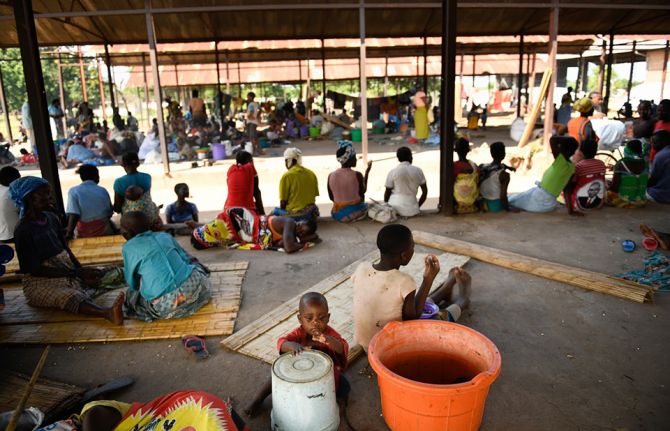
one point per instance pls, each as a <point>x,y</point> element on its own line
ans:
<point>572,359</point>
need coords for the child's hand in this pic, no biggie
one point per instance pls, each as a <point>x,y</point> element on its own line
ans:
<point>432,267</point>
<point>318,336</point>
<point>295,348</point>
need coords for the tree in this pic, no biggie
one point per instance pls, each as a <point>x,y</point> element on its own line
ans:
<point>15,87</point>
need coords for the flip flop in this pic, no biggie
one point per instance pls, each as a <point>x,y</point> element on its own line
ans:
<point>114,385</point>
<point>196,345</point>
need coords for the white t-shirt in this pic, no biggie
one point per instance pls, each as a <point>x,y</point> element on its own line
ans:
<point>252,113</point>
<point>378,299</point>
<point>405,180</point>
<point>9,214</point>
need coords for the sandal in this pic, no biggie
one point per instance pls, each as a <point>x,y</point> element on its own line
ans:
<point>196,345</point>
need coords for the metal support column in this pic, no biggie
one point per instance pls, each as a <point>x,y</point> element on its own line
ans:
<point>227,74</point>
<point>323,72</point>
<point>364,81</point>
<point>101,89</point>
<point>153,57</point>
<point>5,111</point>
<point>37,98</point>
<point>82,75</point>
<point>519,81</point>
<point>665,67</point>
<point>474,69</point>
<point>218,72</point>
<point>447,112</point>
<point>108,60</point>
<point>601,71</point>
<point>630,74</point>
<point>146,90</point>
<point>580,72</point>
<point>425,64</point>
<point>551,62</point>
<point>608,81</point>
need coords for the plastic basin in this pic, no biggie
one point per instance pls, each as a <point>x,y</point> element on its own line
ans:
<point>433,375</point>
<point>356,135</point>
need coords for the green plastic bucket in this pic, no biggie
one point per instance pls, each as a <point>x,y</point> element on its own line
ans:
<point>314,132</point>
<point>356,135</point>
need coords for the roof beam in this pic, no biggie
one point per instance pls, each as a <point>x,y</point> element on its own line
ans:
<point>329,6</point>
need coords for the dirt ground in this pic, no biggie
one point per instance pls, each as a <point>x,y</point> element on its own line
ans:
<point>572,359</point>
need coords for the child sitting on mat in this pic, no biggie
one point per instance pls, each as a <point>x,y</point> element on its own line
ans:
<point>313,333</point>
<point>493,181</point>
<point>136,200</point>
<point>383,294</point>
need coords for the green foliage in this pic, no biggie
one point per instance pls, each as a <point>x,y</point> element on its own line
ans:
<point>15,86</point>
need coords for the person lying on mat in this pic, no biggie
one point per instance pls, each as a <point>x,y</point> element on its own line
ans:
<point>292,235</point>
<point>165,282</point>
<point>313,333</point>
<point>347,187</point>
<point>383,293</point>
<point>180,410</point>
<point>53,277</point>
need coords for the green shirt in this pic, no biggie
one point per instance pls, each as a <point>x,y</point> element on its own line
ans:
<point>299,188</point>
<point>556,177</point>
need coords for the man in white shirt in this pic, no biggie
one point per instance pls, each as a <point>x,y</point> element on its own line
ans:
<point>403,182</point>
<point>9,214</point>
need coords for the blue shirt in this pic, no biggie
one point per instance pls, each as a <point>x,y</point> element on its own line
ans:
<point>89,201</point>
<point>660,170</point>
<point>155,264</point>
<point>137,179</point>
<point>187,214</point>
<point>79,152</point>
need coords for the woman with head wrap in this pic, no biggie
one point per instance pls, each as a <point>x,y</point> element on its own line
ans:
<point>580,127</point>
<point>298,189</point>
<point>347,187</point>
<point>53,277</point>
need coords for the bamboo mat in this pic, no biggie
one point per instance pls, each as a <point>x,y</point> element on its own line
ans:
<point>259,339</point>
<point>49,396</point>
<point>101,249</point>
<point>21,323</point>
<point>542,268</point>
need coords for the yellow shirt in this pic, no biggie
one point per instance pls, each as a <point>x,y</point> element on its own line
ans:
<point>299,188</point>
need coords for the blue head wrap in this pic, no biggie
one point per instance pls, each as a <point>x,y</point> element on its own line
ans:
<point>22,187</point>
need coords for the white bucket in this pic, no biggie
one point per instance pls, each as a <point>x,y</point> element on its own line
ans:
<point>303,393</point>
<point>229,147</point>
<point>249,147</point>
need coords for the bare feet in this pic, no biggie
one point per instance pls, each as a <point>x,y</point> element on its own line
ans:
<point>115,313</point>
<point>464,282</point>
<point>446,289</point>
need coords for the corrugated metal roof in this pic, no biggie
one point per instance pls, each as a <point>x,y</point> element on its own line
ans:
<point>73,23</point>
<point>258,51</point>
<point>288,71</point>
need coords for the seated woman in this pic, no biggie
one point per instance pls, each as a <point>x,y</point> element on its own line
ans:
<point>494,180</point>
<point>243,190</point>
<point>164,281</point>
<point>628,188</point>
<point>347,187</point>
<point>542,197</point>
<point>53,277</point>
<point>466,179</point>
<point>130,163</point>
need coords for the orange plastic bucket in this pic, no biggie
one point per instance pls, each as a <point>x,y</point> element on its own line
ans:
<point>433,375</point>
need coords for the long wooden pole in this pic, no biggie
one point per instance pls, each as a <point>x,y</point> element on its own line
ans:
<point>82,75</point>
<point>665,67</point>
<point>101,89</point>
<point>530,124</point>
<point>364,82</point>
<point>578,277</point>
<point>447,109</point>
<point>5,110</point>
<point>630,73</point>
<point>11,426</point>
<point>519,84</point>
<point>549,102</point>
<point>146,90</point>
<point>608,81</point>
